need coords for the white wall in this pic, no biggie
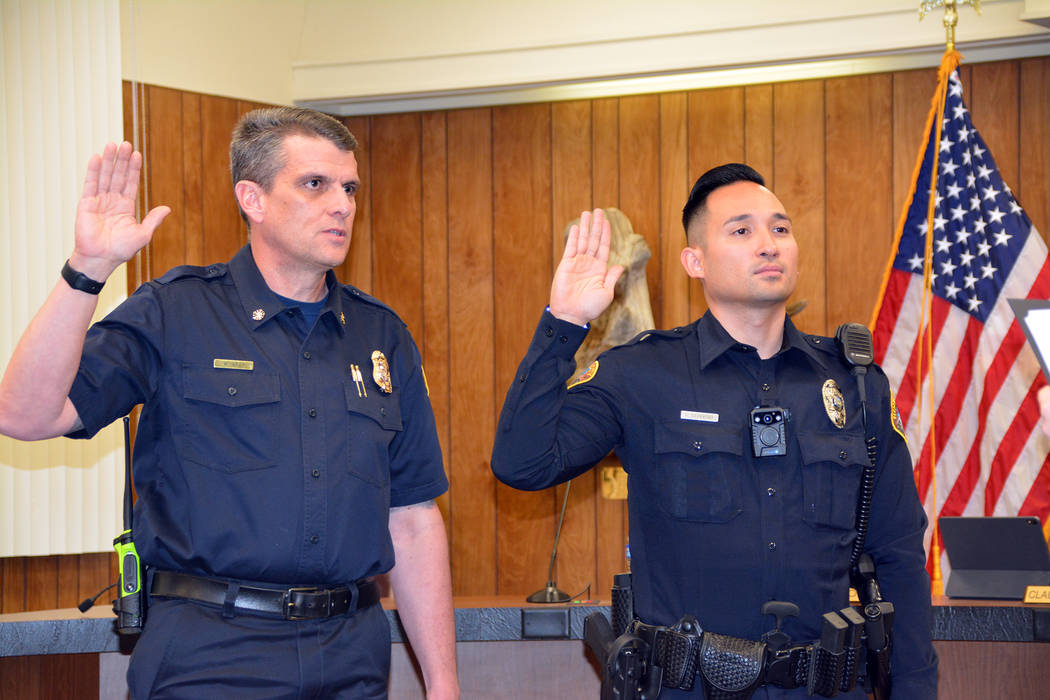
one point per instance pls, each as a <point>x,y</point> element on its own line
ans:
<point>361,56</point>
<point>235,48</point>
<point>60,101</point>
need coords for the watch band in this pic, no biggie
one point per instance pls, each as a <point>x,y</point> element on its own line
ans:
<point>79,281</point>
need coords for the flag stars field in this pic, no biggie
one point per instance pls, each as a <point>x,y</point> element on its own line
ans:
<point>953,351</point>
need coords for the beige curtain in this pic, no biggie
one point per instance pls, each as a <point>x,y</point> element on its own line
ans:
<point>60,101</point>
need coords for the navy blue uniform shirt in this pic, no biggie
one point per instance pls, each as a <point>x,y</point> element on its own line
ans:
<point>715,531</point>
<point>261,454</point>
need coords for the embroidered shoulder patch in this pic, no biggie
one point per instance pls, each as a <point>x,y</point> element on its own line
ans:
<point>588,375</point>
<point>895,418</point>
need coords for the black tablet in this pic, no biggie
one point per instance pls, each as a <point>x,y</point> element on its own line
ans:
<point>994,557</point>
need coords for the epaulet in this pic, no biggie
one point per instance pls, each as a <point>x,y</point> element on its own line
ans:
<point>823,343</point>
<point>198,271</point>
<point>832,347</point>
<point>654,333</point>
<point>355,293</point>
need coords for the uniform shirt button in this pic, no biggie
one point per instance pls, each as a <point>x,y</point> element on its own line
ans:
<point>698,445</point>
<point>766,387</point>
<point>232,391</point>
<point>522,378</point>
<point>315,539</point>
<point>382,410</point>
<point>548,331</point>
<point>842,455</point>
<point>563,339</point>
<point>316,473</point>
<point>306,354</point>
<point>312,413</point>
<point>771,491</point>
<point>772,546</point>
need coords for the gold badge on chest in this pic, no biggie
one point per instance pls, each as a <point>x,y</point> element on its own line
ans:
<point>834,404</point>
<point>381,372</point>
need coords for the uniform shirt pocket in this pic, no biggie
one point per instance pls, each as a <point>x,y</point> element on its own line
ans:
<point>373,421</point>
<point>230,418</point>
<point>697,465</point>
<point>831,470</point>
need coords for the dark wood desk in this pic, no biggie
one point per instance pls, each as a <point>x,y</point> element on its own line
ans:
<point>988,649</point>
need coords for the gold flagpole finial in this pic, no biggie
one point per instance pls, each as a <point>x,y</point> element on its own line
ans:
<point>951,15</point>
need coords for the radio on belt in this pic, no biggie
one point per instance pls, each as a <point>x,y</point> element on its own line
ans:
<point>769,430</point>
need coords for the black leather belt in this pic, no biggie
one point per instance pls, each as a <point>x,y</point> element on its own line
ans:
<point>297,603</point>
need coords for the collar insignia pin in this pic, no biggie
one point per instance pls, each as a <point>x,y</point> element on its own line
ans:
<point>258,315</point>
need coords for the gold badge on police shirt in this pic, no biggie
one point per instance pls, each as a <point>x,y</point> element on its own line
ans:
<point>381,372</point>
<point>258,315</point>
<point>834,404</point>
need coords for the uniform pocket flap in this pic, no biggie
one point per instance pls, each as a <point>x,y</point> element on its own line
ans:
<point>230,387</point>
<point>384,409</point>
<point>694,438</point>
<point>840,448</point>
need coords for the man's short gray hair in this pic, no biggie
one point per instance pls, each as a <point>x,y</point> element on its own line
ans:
<point>257,148</point>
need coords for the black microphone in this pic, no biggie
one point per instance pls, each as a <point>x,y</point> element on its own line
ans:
<point>551,593</point>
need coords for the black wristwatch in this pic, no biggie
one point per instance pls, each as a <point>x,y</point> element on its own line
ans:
<point>79,281</point>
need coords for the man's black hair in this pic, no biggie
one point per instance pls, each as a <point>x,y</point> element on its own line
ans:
<point>713,179</point>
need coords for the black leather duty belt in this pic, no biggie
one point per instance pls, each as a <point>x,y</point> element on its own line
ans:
<point>297,603</point>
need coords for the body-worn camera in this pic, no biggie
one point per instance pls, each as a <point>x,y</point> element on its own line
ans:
<point>769,431</point>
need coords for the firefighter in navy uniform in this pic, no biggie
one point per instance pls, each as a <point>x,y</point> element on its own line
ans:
<point>717,531</point>
<point>286,451</point>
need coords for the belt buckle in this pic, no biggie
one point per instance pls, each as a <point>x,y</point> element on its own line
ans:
<point>288,604</point>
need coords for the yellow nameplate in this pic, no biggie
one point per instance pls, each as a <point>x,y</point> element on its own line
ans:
<point>246,365</point>
<point>1037,594</point>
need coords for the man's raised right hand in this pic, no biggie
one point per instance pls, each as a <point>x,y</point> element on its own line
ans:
<point>584,283</point>
<point>107,233</point>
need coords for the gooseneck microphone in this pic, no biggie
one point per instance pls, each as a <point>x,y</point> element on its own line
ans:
<point>551,593</point>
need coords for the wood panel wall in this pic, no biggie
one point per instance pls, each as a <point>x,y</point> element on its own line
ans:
<point>459,228</point>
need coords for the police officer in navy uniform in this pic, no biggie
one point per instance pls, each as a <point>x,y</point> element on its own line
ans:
<point>286,451</point>
<point>715,530</point>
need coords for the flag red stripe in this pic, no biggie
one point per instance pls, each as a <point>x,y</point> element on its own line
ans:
<point>906,395</point>
<point>970,473</point>
<point>999,369</point>
<point>889,311</point>
<point>1038,500</point>
<point>951,404</point>
<point>1010,448</point>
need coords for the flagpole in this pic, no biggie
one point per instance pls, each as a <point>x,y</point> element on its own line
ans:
<point>949,62</point>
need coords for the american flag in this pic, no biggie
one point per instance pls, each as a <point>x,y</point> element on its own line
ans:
<point>963,376</point>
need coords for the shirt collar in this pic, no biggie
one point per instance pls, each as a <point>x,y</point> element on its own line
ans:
<point>715,341</point>
<point>259,301</point>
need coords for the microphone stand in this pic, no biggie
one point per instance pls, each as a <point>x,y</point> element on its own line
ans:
<point>551,593</point>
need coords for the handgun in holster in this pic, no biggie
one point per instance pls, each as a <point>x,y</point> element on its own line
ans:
<point>130,604</point>
<point>627,673</point>
<point>625,658</point>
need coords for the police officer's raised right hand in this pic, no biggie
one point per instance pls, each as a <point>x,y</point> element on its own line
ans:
<point>584,282</point>
<point>107,232</point>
